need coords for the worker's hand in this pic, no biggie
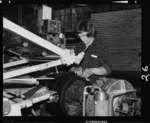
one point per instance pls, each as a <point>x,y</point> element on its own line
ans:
<point>87,72</point>
<point>72,69</point>
<point>79,57</point>
<point>68,57</point>
<point>78,71</point>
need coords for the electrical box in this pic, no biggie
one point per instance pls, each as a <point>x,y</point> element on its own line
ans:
<point>52,26</point>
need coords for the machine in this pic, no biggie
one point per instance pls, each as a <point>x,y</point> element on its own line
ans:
<point>25,71</point>
<point>23,88</point>
<point>115,97</point>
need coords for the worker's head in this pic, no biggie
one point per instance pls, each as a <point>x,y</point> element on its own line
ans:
<point>86,26</point>
<point>86,31</point>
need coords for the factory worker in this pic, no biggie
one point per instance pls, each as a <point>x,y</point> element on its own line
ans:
<point>95,62</point>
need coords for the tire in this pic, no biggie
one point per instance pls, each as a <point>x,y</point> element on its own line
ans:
<point>65,86</point>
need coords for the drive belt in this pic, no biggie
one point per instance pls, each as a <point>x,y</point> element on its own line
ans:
<point>31,92</point>
<point>25,95</point>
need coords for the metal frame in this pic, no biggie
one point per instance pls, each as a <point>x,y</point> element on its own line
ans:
<point>32,37</point>
<point>19,62</point>
<point>67,56</point>
<point>35,68</point>
<point>18,104</point>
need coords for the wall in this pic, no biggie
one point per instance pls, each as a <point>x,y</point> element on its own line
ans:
<point>121,32</point>
<point>68,16</point>
<point>71,16</point>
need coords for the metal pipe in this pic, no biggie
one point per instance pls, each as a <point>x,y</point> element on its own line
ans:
<point>31,69</point>
<point>32,37</point>
<point>15,63</point>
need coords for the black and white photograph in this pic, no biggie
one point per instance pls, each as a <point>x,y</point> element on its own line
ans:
<point>72,60</point>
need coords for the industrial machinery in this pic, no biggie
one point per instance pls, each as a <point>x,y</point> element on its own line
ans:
<point>115,97</point>
<point>23,88</point>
